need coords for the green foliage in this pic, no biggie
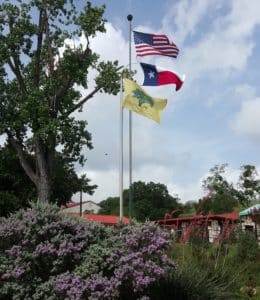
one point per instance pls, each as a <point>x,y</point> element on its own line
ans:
<point>65,182</point>
<point>150,201</point>
<point>222,196</point>
<point>110,206</point>
<point>9,203</point>
<point>247,246</point>
<point>192,283</point>
<point>249,185</point>
<point>219,204</point>
<point>16,190</point>
<point>188,209</point>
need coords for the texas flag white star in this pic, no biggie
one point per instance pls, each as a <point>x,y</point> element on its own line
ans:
<point>151,74</point>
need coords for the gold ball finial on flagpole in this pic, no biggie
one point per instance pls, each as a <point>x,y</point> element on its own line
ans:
<point>129,18</point>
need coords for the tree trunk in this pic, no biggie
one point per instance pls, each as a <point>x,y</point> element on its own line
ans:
<point>42,158</point>
<point>43,188</point>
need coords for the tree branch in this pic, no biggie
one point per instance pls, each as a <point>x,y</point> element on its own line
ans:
<point>85,99</point>
<point>65,87</point>
<point>16,70</point>
<point>55,100</point>
<point>48,41</point>
<point>24,162</point>
<point>39,47</point>
<point>15,65</point>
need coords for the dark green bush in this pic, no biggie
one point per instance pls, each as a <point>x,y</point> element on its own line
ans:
<point>247,247</point>
<point>191,282</point>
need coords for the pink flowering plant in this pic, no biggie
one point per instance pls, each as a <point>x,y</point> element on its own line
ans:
<point>47,255</point>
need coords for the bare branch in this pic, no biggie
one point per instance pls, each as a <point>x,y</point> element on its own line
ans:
<point>84,100</point>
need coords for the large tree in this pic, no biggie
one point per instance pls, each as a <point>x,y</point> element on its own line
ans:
<point>150,201</point>
<point>37,83</point>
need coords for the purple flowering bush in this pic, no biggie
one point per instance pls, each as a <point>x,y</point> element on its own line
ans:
<point>38,244</point>
<point>47,255</point>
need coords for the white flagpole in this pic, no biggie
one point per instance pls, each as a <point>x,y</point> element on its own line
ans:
<point>130,18</point>
<point>121,153</point>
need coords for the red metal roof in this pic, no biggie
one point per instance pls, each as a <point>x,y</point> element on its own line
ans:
<point>104,219</point>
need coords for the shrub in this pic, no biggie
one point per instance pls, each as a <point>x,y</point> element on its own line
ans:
<point>9,203</point>
<point>47,255</point>
<point>247,247</point>
<point>191,282</point>
<point>126,264</point>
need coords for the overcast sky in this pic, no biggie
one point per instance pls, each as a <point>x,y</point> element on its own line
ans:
<point>213,119</point>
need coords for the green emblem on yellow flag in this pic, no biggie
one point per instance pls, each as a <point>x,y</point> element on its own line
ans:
<point>137,100</point>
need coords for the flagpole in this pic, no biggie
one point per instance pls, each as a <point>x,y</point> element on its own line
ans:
<point>121,153</point>
<point>130,18</point>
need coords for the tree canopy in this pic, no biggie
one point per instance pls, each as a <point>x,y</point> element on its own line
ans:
<point>38,83</point>
<point>150,201</point>
<point>223,196</point>
<point>249,185</point>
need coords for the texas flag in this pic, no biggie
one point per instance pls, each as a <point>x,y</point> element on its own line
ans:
<point>156,76</point>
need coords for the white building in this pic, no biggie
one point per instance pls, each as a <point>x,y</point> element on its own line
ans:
<point>87,207</point>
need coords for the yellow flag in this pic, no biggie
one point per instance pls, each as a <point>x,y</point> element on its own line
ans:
<point>136,99</point>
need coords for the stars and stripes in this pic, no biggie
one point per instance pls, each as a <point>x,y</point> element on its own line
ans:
<point>154,44</point>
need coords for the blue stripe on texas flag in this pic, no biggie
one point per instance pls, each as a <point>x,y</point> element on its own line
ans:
<point>150,74</point>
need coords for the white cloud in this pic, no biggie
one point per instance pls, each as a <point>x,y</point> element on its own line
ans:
<point>225,45</point>
<point>108,185</point>
<point>187,192</point>
<point>246,122</point>
<point>186,15</point>
<point>108,182</point>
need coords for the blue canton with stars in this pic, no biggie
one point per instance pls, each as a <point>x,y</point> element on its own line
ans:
<point>150,74</point>
<point>143,38</point>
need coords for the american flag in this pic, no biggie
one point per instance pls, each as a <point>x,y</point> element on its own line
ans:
<point>154,44</point>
